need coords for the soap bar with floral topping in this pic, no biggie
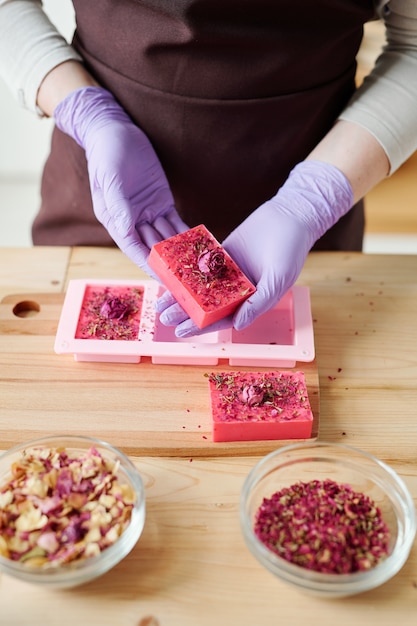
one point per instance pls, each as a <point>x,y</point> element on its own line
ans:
<point>255,406</point>
<point>200,275</point>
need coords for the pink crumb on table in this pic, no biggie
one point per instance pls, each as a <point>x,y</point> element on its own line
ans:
<point>200,275</point>
<point>254,406</point>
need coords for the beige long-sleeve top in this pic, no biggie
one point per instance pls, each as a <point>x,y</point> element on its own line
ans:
<point>385,105</point>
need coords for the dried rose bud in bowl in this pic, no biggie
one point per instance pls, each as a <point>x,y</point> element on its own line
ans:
<point>329,519</point>
<point>70,509</point>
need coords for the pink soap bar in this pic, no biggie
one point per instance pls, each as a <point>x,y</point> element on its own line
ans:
<point>110,312</point>
<point>253,406</point>
<point>200,274</point>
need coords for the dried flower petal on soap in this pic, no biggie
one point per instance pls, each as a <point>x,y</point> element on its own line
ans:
<point>253,394</point>
<point>323,526</point>
<point>260,395</point>
<point>212,262</point>
<point>115,308</point>
<point>81,509</point>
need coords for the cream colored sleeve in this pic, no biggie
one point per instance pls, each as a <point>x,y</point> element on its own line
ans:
<point>30,47</point>
<point>386,102</point>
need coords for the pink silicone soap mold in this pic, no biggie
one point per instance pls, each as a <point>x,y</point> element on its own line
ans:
<point>116,321</point>
<point>253,406</point>
<point>200,275</point>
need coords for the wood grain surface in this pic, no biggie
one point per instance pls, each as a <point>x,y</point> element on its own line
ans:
<point>141,408</point>
<point>191,566</point>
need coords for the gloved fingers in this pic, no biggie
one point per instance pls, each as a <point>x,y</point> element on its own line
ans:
<point>173,315</point>
<point>138,253</point>
<point>189,329</point>
<point>250,310</point>
<point>265,297</point>
<point>148,234</point>
<point>178,225</point>
<point>115,215</point>
<point>164,301</point>
<point>129,242</point>
<point>236,245</point>
<point>134,242</point>
<point>163,227</point>
<point>119,224</point>
<point>269,291</point>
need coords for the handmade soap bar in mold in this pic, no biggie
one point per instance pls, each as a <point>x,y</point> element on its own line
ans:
<point>107,320</point>
<point>116,321</point>
<point>111,313</point>
<point>255,406</point>
<point>200,275</point>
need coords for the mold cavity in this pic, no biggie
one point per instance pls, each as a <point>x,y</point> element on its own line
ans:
<point>275,327</point>
<point>167,334</point>
<point>27,308</point>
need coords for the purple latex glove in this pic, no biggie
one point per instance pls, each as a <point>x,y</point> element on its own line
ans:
<point>272,244</point>
<point>130,193</point>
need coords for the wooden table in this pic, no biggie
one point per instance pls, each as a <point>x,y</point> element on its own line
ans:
<point>191,566</point>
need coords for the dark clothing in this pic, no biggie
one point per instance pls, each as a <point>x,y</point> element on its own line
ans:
<point>231,93</point>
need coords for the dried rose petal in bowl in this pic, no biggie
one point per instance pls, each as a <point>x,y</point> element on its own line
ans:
<point>327,518</point>
<point>323,526</point>
<point>70,509</point>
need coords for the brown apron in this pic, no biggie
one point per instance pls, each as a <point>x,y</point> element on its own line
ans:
<point>232,94</point>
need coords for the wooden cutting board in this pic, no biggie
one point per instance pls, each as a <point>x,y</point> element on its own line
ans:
<point>143,408</point>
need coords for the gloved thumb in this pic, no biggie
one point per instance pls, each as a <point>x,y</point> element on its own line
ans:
<point>258,303</point>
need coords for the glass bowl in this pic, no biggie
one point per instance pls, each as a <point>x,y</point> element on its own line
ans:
<point>82,570</point>
<point>342,464</point>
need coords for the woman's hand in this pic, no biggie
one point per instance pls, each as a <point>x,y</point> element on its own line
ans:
<point>272,244</point>
<point>130,192</point>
